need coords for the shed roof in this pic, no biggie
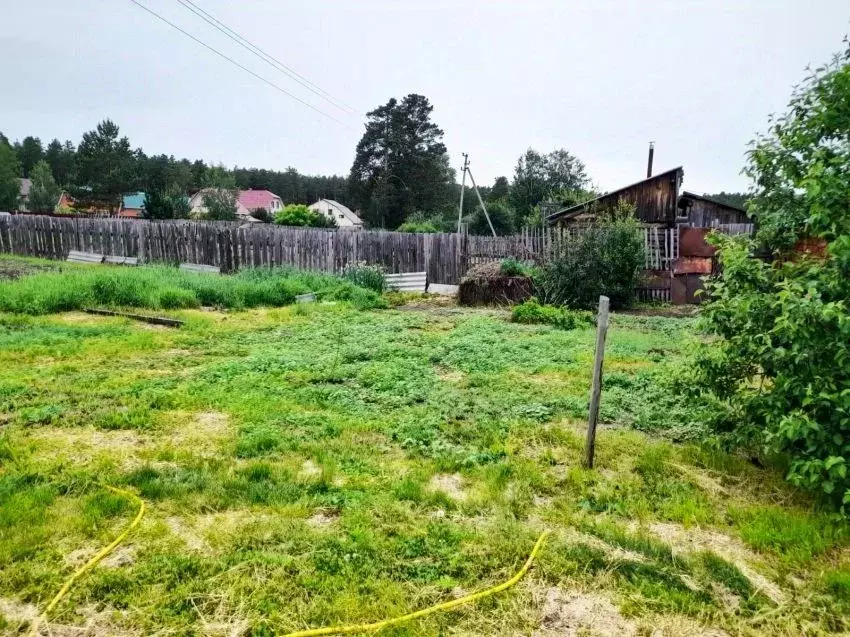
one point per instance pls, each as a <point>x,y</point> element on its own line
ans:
<point>582,206</point>
<point>690,195</point>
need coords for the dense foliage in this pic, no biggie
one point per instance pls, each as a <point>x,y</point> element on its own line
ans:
<point>105,168</point>
<point>44,192</point>
<point>401,164</point>
<point>783,357</point>
<point>540,177</point>
<point>170,288</point>
<point>372,277</point>
<point>104,164</point>
<point>165,205</point>
<point>220,204</point>
<point>9,170</point>
<point>301,215</point>
<point>603,258</point>
<point>532,311</point>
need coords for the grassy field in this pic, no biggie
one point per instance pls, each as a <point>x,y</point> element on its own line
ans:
<point>319,464</point>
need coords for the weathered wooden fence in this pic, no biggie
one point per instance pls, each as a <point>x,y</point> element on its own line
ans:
<point>235,245</point>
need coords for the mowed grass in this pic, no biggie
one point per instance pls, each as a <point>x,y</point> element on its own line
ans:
<point>318,464</point>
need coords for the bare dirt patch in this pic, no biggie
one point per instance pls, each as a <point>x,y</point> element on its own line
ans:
<point>322,518</point>
<point>448,375</point>
<point>694,540</point>
<point>450,484</point>
<point>310,470</point>
<point>202,433</point>
<point>194,541</point>
<point>12,269</point>
<point>16,611</point>
<point>85,444</point>
<point>570,614</point>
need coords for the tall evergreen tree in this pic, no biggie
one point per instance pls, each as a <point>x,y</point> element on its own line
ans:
<point>105,168</point>
<point>61,159</point>
<point>10,170</point>
<point>401,164</point>
<point>30,152</point>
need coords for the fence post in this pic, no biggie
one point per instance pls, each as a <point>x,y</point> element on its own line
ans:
<point>596,387</point>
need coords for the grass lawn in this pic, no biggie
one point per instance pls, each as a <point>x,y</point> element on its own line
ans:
<point>319,464</point>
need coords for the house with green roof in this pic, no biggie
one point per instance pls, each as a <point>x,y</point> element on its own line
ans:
<point>132,206</point>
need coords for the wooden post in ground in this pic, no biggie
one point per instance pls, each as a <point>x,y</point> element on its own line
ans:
<point>596,387</point>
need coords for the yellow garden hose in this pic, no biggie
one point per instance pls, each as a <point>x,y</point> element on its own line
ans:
<point>106,550</point>
<point>314,632</point>
<point>368,628</point>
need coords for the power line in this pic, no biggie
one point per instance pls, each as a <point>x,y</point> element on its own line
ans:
<point>266,57</point>
<point>237,64</point>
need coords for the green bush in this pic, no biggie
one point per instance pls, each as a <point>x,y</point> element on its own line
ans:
<point>157,287</point>
<point>605,258</point>
<point>366,276</point>
<point>782,356</point>
<point>532,312</point>
<point>513,267</point>
<point>297,214</point>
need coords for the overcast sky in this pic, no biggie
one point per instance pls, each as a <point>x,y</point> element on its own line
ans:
<point>599,78</point>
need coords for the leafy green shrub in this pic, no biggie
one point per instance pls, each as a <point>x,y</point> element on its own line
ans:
<point>532,312</point>
<point>513,267</point>
<point>603,258</point>
<point>297,214</point>
<point>425,226</point>
<point>366,276</point>
<point>782,357</point>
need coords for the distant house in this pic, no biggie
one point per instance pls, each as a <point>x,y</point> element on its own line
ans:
<point>253,200</point>
<point>132,206</point>
<point>198,209</point>
<point>247,201</point>
<point>342,215</point>
<point>25,185</point>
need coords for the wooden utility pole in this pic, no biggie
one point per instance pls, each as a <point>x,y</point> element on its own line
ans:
<point>481,201</point>
<point>462,189</point>
<point>596,387</point>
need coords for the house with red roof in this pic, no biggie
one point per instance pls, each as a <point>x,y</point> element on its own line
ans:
<point>252,200</point>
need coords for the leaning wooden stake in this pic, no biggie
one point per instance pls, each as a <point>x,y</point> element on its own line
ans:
<point>596,388</point>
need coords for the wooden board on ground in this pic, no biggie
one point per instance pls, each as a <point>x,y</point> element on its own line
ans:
<point>407,281</point>
<point>75,256</point>
<point>145,318</point>
<point>200,267</point>
<point>118,260</point>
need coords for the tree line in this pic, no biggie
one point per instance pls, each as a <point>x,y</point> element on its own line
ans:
<point>401,177</point>
<point>104,166</point>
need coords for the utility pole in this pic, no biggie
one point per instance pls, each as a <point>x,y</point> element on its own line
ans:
<point>462,189</point>
<point>481,201</point>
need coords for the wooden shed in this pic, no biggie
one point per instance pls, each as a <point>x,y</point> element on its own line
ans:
<point>655,199</point>
<point>702,212</point>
